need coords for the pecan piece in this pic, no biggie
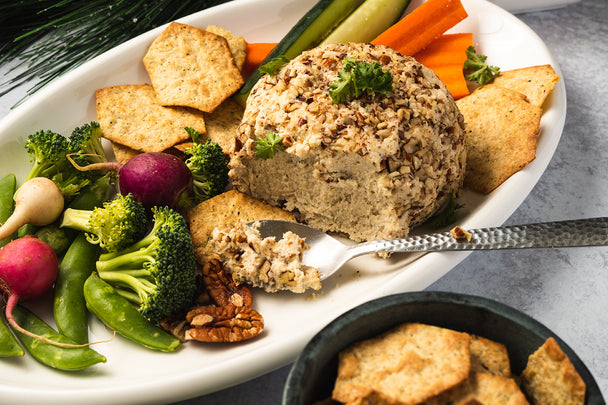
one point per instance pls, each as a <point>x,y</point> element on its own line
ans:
<point>222,289</point>
<point>223,324</point>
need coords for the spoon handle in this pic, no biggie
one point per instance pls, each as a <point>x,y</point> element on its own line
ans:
<point>571,233</point>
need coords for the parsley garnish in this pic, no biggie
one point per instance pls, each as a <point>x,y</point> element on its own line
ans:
<point>194,134</point>
<point>358,77</point>
<point>478,70</point>
<point>273,66</point>
<point>265,148</point>
<point>447,215</point>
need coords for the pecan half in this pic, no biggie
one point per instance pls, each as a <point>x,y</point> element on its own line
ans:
<point>221,287</point>
<point>223,324</point>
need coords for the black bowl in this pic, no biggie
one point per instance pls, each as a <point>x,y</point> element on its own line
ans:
<point>313,374</point>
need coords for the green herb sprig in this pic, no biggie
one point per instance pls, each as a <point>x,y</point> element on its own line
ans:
<point>273,66</point>
<point>359,77</point>
<point>47,38</point>
<point>267,147</point>
<point>476,68</point>
<point>447,215</point>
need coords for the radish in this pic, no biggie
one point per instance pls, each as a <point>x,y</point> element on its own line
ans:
<point>154,178</point>
<point>28,269</point>
<point>37,202</point>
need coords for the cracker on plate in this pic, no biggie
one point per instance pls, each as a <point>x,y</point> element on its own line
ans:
<point>550,377</point>
<point>123,153</point>
<point>131,116</point>
<point>489,356</point>
<point>224,211</point>
<point>407,364</point>
<point>535,82</point>
<point>191,67</point>
<point>237,44</point>
<point>482,388</point>
<point>501,135</point>
<point>221,125</point>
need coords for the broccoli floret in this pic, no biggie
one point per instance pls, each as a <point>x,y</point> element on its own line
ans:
<point>209,168</point>
<point>116,225</point>
<point>49,151</point>
<point>87,139</point>
<point>157,273</point>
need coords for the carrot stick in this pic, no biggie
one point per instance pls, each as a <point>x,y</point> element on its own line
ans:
<point>256,53</point>
<point>446,56</point>
<point>422,26</point>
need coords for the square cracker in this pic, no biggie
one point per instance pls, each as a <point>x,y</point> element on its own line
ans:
<point>536,82</point>
<point>131,116</point>
<point>501,135</point>
<point>489,356</point>
<point>221,125</point>
<point>550,377</point>
<point>224,211</point>
<point>191,67</point>
<point>237,44</point>
<point>407,364</point>
<point>482,388</point>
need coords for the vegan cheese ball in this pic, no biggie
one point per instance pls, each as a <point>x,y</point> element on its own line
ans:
<point>370,167</point>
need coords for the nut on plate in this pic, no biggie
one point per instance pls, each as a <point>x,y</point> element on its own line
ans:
<point>221,287</point>
<point>223,324</point>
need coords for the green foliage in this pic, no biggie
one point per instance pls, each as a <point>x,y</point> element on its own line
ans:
<point>265,148</point>
<point>209,168</point>
<point>359,77</point>
<point>116,225</point>
<point>157,273</point>
<point>49,37</point>
<point>476,68</point>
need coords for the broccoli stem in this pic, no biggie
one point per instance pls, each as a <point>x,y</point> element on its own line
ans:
<point>76,219</point>
<point>141,287</point>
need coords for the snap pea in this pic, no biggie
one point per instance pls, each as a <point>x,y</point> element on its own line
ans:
<point>69,305</point>
<point>119,314</point>
<point>61,358</point>
<point>7,190</point>
<point>8,343</point>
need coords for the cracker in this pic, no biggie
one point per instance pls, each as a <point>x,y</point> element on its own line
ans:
<point>536,82</point>
<point>407,364</point>
<point>550,377</point>
<point>482,388</point>
<point>501,135</point>
<point>123,153</point>
<point>237,44</point>
<point>224,211</point>
<point>489,356</point>
<point>130,115</point>
<point>191,67</point>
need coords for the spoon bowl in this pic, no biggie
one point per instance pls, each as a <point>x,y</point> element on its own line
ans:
<point>328,254</point>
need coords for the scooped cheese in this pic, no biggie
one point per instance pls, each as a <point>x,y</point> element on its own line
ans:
<point>265,262</point>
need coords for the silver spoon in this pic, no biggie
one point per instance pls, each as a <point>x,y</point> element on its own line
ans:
<point>329,254</point>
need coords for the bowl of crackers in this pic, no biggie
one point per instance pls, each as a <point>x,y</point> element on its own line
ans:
<point>438,348</point>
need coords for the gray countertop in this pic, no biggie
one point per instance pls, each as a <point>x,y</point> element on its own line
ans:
<point>565,289</point>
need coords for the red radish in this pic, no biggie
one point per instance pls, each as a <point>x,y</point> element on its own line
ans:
<point>28,269</point>
<point>37,202</point>
<point>154,178</point>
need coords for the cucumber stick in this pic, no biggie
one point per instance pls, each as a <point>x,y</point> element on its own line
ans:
<point>324,16</point>
<point>368,21</point>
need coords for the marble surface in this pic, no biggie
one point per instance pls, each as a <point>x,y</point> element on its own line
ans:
<point>565,289</point>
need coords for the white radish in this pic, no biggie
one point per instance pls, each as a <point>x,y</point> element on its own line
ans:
<point>37,202</point>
